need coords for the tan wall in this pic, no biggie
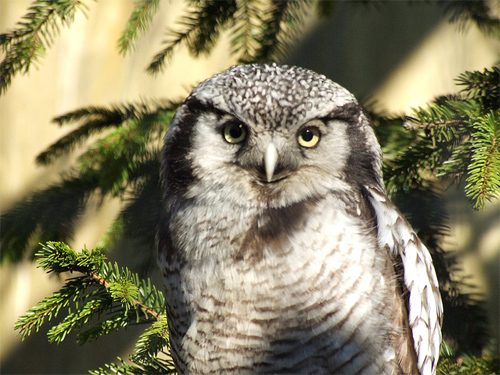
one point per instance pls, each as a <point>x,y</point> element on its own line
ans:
<point>84,68</point>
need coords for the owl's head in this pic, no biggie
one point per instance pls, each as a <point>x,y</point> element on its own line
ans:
<point>269,135</point>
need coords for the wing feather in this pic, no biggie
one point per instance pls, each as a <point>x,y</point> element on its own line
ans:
<point>425,305</point>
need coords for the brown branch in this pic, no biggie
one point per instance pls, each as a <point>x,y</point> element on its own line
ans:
<point>410,125</point>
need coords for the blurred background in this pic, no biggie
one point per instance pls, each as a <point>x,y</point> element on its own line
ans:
<point>396,54</point>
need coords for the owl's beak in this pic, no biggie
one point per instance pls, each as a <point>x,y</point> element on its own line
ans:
<point>270,161</point>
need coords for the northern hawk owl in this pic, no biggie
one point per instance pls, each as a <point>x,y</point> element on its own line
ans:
<point>279,248</point>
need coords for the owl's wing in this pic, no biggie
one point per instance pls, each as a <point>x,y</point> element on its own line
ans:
<point>425,306</point>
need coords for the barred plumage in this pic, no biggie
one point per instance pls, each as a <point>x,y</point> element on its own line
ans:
<point>279,248</point>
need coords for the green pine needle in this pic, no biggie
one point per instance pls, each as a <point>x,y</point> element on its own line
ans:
<point>105,298</point>
<point>451,363</point>
<point>483,180</point>
<point>248,23</point>
<point>25,45</point>
<point>150,348</point>
<point>115,295</point>
<point>201,28</point>
<point>138,23</point>
<point>124,291</point>
<point>283,21</point>
<point>152,117</point>
<point>458,137</point>
<point>49,307</point>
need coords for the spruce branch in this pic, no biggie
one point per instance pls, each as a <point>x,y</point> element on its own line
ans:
<point>483,181</point>
<point>483,86</point>
<point>283,20</point>
<point>134,131</point>
<point>149,350</point>
<point>262,30</point>
<point>201,27</point>
<point>117,154</point>
<point>152,341</point>
<point>138,23</point>
<point>113,295</point>
<point>97,119</point>
<point>141,213</point>
<point>27,43</point>
<point>150,356</point>
<point>121,284</point>
<point>155,366</point>
<point>452,363</point>
<point>212,16</point>
<point>439,128</point>
<point>456,136</point>
<point>123,369</point>
<point>49,307</point>
<point>125,157</point>
<point>248,22</point>
<point>104,289</point>
<point>269,41</point>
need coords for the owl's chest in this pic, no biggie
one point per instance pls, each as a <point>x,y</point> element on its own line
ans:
<point>236,251</point>
<point>285,275</point>
<point>292,282</point>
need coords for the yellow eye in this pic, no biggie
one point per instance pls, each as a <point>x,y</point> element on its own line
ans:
<point>309,137</point>
<point>235,132</point>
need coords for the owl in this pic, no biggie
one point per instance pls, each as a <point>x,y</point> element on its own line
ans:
<point>279,248</point>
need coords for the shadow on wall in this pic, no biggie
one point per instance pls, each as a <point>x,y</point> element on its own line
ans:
<point>361,45</point>
<point>476,239</point>
<point>36,356</point>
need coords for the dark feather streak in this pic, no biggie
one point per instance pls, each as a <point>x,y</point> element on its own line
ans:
<point>272,230</point>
